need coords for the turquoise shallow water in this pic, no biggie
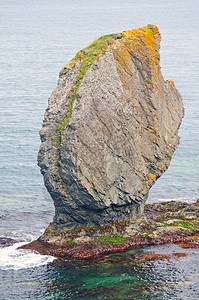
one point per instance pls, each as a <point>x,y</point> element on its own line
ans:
<point>37,39</point>
<point>117,276</point>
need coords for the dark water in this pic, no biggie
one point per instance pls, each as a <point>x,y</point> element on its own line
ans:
<point>117,276</point>
<point>36,39</point>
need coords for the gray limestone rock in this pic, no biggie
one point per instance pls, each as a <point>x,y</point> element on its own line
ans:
<point>109,131</point>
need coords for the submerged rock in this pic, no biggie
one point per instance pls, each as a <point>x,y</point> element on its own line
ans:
<point>109,131</point>
<point>6,242</point>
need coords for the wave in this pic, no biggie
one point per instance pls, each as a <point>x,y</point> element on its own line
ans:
<point>180,199</point>
<point>13,258</point>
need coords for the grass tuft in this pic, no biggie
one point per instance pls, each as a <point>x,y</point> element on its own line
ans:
<point>113,238</point>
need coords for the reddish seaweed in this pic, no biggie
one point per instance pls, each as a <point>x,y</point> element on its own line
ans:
<point>181,229</point>
<point>94,249</point>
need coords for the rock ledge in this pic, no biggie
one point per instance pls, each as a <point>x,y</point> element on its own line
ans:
<point>169,222</point>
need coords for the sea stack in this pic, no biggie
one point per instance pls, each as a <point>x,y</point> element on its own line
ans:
<point>109,132</point>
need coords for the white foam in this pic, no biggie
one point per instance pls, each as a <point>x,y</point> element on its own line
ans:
<point>158,200</point>
<point>177,200</point>
<point>13,258</point>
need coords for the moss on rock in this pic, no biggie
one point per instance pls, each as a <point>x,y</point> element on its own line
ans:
<point>86,57</point>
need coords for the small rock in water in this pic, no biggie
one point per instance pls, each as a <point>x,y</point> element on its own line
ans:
<point>153,257</point>
<point>179,254</point>
<point>6,242</point>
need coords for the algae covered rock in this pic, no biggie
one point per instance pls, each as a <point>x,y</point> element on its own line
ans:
<point>109,131</point>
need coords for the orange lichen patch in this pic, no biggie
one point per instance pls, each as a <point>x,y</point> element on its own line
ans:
<point>179,254</point>
<point>171,83</point>
<point>152,257</point>
<point>137,60</point>
<point>124,67</point>
<point>141,45</point>
<point>47,230</point>
<point>151,178</point>
<point>197,202</point>
<point>149,34</point>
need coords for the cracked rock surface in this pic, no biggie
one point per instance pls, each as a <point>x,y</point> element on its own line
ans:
<point>120,137</point>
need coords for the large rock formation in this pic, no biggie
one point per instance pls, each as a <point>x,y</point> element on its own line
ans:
<point>109,131</point>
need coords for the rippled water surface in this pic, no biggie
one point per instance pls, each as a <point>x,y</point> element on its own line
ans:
<point>117,276</point>
<point>36,39</point>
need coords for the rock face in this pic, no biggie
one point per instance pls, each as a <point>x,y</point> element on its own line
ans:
<point>109,131</point>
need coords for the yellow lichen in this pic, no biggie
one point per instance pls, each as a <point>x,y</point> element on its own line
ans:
<point>170,82</point>
<point>137,59</point>
<point>150,179</point>
<point>143,45</point>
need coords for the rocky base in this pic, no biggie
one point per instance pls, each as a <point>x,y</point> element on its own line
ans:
<point>169,222</point>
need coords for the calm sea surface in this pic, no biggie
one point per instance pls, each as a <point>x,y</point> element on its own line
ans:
<point>36,39</point>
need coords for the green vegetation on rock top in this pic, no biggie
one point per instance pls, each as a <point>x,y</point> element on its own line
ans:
<point>86,57</point>
<point>89,53</point>
<point>113,238</point>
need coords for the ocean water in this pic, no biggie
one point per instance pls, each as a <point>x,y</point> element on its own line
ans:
<point>36,39</point>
